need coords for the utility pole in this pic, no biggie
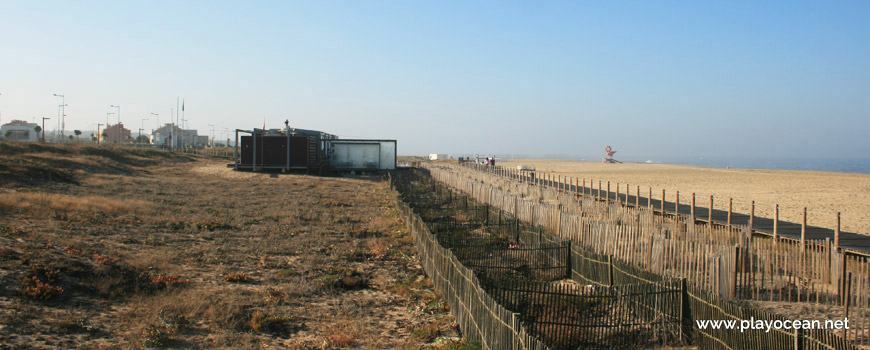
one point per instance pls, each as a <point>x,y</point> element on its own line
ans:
<point>182,131</point>
<point>118,129</point>
<point>172,128</point>
<point>62,117</point>
<point>107,123</point>
<point>138,139</point>
<point>158,125</point>
<point>182,124</point>
<point>177,100</point>
<point>43,128</point>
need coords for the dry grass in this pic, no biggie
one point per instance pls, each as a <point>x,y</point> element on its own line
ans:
<point>42,204</point>
<point>157,256</point>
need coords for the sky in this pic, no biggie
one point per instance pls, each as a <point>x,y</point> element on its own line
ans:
<point>650,78</point>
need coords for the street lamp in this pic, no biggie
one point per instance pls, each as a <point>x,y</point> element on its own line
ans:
<point>157,115</point>
<point>182,132</point>
<point>43,128</point>
<point>107,122</point>
<point>118,132</point>
<point>62,119</point>
<point>212,134</point>
<point>138,139</point>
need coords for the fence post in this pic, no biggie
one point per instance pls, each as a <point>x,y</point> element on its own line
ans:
<point>610,270</point>
<point>637,198</point>
<point>837,233</point>
<point>569,265</point>
<point>599,190</point>
<point>710,213</point>
<point>693,208</point>
<point>798,344</point>
<point>649,200</point>
<point>775,224</point>
<point>804,235</point>
<point>532,221</point>
<point>663,202</point>
<point>733,289</point>
<point>848,291</point>
<point>842,285</point>
<point>730,206</point>
<point>617,194</point>
<point>685,319</point>
<point>752,218</point>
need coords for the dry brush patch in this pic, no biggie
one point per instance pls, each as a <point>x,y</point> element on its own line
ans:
<point>181,257</point>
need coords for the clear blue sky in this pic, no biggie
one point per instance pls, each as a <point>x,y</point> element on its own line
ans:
<point>651,78</point>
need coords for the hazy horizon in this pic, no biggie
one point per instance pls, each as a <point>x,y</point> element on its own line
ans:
<point>654,80</point>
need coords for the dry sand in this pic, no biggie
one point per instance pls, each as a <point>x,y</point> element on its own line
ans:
<point>822,193</point>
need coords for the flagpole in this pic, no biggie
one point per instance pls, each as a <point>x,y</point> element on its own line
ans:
<point>182,122</point>
<point>175,142</point>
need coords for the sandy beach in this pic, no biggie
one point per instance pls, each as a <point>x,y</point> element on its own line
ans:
<point>822,193</point>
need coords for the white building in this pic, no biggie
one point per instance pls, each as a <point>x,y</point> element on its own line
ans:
<point>165,134</point>
<point>437,156</point>
<point>19,130</point>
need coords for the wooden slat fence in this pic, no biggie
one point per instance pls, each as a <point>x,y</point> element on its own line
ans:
<point>524,276</point>
<point>725,259</point>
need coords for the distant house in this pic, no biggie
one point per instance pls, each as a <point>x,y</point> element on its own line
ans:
<point>116,134</point>
<point>19,130</point>
<point>169,132</point>
<point>202,141</point>
<point>163,136</point>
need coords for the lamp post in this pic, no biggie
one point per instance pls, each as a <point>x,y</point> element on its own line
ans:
<point>157,118</point>
<point>107,122</point>
<point>182,132</point>
<point>118,132</point>
<point>139,138</point>
<point>172,129</point>
<point>43,128</point>
<point>98,131</point>
<point>62,119</point>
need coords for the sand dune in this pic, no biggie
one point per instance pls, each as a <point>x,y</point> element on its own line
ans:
<point>822,193</point>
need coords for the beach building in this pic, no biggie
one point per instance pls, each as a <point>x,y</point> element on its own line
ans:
<point>19,130</point>
<point>312,151</point>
